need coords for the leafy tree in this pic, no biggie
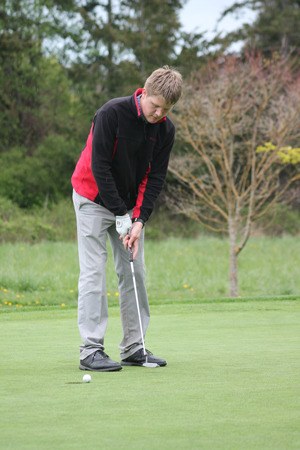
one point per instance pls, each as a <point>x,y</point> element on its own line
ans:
<point>195,51</point>
<point>123,41</point>
<point>23,28</point>
<point>276,27</point>
<point>97,50</point>
<point>150,32</point>
<point>240,123</point>
<point>20,56</point>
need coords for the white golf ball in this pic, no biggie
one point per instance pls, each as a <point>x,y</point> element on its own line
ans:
<point>86,378</point>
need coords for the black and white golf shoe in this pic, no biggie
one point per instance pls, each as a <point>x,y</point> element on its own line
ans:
<point>139,359</point>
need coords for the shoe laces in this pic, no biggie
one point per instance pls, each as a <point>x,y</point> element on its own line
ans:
<point>101,353</point>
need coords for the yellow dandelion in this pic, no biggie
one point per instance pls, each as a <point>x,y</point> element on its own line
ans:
<point>71,291</point>
<point>116,294</point>
<point>62,305</point>
<point>5,290</point>
<point>185,286</point>
<point>108,294</point>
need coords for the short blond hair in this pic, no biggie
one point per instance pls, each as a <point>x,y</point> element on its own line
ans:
<point>166,82</point>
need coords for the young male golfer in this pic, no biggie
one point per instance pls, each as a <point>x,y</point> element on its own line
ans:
<point>116,182</point>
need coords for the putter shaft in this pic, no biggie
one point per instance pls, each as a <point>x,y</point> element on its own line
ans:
<point>146,363</point>
<point>137,303</point>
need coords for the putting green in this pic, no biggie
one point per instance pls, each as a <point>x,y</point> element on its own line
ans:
<point>232,381</point>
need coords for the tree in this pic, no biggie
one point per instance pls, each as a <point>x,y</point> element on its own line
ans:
<point>195,52</point>
<point>20,56</point>
<point>123,41</point>
<point>97,52</point>
<point>236,121</point>
<point>24,26</point>
<point>150,32</point>
<point>276,28</point>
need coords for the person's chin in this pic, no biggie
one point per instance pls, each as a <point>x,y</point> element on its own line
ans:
<point>153,119</point>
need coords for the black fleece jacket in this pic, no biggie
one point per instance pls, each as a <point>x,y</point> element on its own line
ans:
<point>129,158</point>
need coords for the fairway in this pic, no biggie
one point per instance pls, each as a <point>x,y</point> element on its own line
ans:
<point>232,381</point>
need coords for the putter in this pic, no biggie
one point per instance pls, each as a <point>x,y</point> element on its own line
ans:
<point>146,364</point>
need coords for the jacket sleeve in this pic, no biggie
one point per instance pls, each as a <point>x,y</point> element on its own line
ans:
<point>104,145</point>
<point>153,181</point>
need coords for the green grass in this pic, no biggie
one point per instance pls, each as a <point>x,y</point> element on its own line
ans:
<point>232,381</point>
<point>178,270</point>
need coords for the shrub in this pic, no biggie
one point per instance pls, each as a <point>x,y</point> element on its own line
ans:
<point>16,225</point>
<point>33,179</point>
<point>281,220</point>
<point>22,181</point>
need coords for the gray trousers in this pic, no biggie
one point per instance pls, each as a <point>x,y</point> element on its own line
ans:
<point>94,224</point>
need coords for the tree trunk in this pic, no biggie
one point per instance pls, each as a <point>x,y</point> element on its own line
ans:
<point>233,259</point>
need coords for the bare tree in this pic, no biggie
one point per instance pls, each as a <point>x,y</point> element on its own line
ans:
<point>236,121</point>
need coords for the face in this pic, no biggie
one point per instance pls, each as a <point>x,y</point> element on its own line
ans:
<point>154,107</point>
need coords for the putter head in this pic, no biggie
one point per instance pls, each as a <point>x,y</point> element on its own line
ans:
<point>150,365</point>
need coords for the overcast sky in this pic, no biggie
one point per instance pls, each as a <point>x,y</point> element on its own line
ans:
<point>204,14</point>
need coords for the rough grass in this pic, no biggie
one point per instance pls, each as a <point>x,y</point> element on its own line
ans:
<point>45,274</point>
